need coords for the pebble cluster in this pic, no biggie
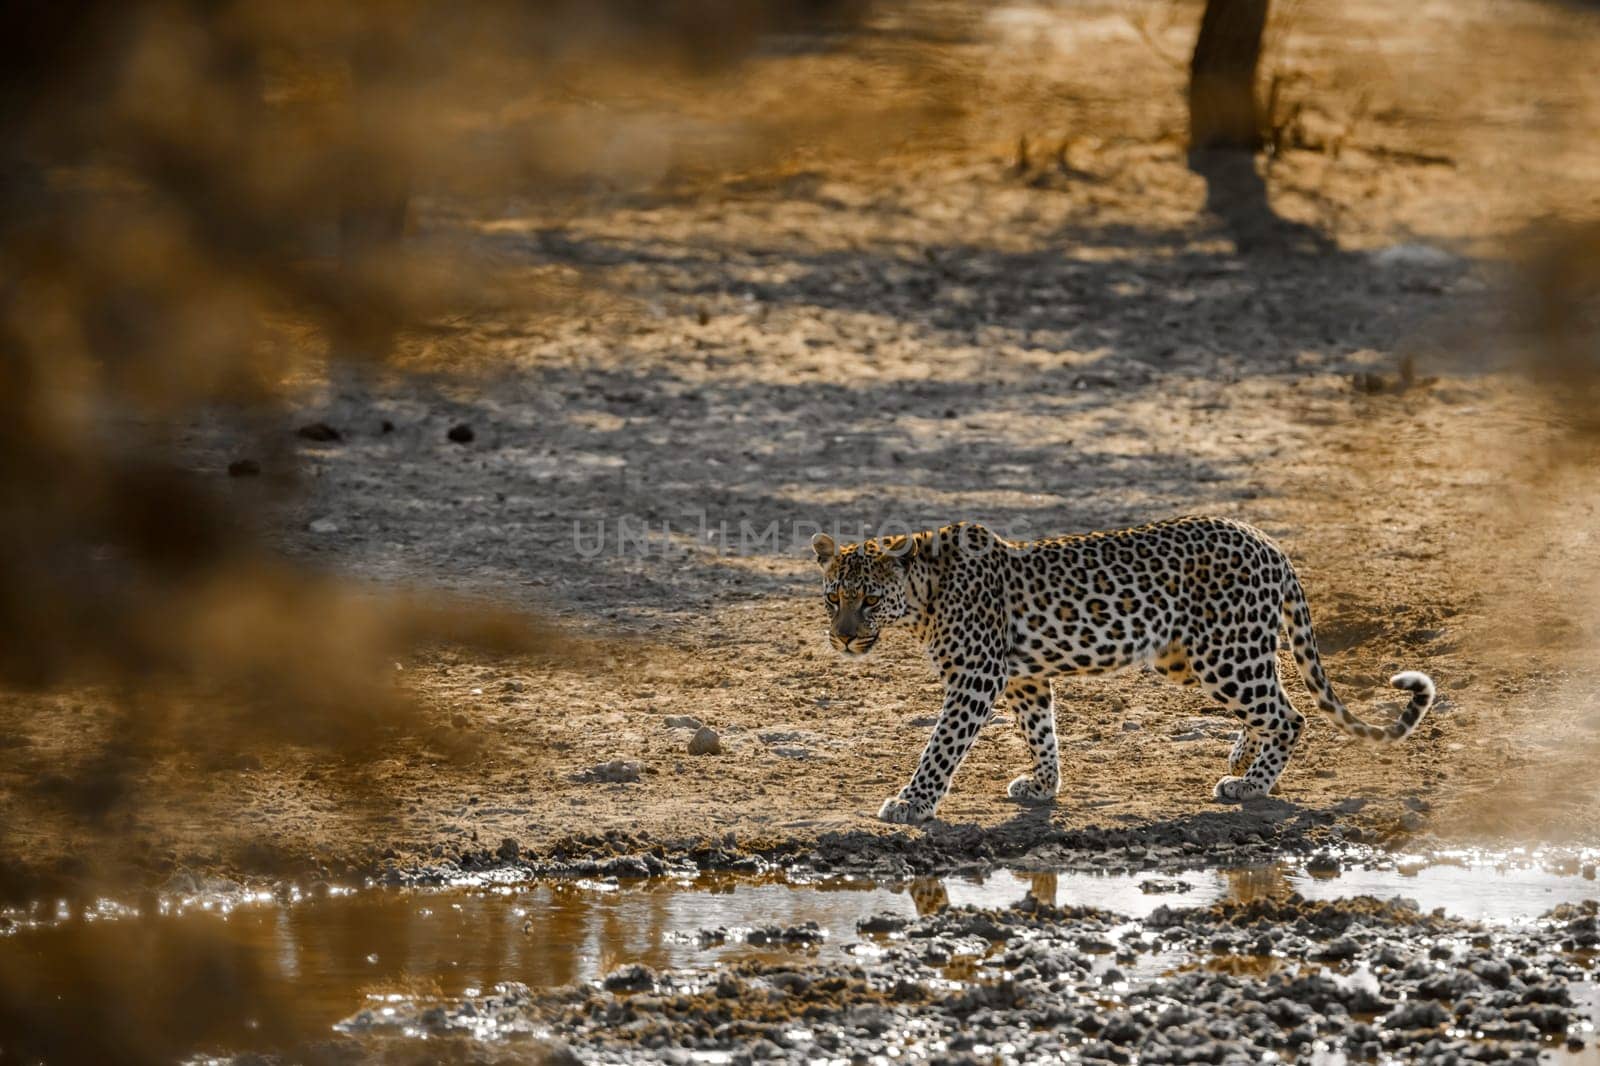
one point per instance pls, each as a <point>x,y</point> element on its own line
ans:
<point>1238,982</point>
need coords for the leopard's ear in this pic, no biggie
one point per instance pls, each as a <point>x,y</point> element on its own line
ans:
<point>825,548</point>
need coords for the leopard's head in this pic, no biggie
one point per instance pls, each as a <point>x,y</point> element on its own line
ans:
<point>864,589</point>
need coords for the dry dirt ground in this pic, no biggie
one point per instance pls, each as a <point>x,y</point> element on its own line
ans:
<point>949,333</point>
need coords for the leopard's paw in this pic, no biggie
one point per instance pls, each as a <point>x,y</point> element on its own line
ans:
<point>1026,789</point>
<point>1233,789</point>
<point>899,811</point>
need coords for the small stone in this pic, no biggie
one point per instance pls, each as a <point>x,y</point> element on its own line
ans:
<point>323,525</point>
<point>705,742</point>
<point>461,433</point>
<point>244,468</point>
<point>615,772</point>
<point>387,427</point>
<point>1424,256</point>
<point>556,1053</point>
<point>319,431</point>
<point>684,721</point>
<point>508,851</point>
<point>1588,871</point>
<point>1131,727</point>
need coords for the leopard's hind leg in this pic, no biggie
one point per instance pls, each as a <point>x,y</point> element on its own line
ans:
<point>1245,681</point>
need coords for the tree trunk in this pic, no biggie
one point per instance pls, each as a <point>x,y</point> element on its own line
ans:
<point>1222,76</point>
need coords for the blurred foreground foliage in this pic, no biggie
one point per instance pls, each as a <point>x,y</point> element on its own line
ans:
<point>200,200</point>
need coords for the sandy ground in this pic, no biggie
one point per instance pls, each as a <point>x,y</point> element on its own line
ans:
<point>947,335</point>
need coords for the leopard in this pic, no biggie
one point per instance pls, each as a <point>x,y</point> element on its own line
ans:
<point>1199,600</point>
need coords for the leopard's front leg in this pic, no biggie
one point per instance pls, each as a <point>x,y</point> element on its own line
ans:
<point>1034,705</point>
<point>969,695</point>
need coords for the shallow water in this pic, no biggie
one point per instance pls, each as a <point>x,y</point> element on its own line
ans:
<point>252,973</point>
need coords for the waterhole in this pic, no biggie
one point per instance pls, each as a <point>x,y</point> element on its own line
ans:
<point>231,974</point>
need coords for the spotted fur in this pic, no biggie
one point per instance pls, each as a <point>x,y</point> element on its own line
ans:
<point>1198,599</point>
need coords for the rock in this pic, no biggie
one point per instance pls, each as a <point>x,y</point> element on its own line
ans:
<point>323,525</point>
<point>1323,864</point>
<point>461,433</point>
<point>633,978</point>
<point>683,721</point>
<point>508,851</point>
<point>882,923</point>
<point>615,772</point>
<point>319,431</point>
<point>705,742</point>
<point>556,1053</point>
<point>791,752</point>
<point>1131,726</point>
<point>1495,972</point>
<point>802,935</point>
<point>244,468</point>
<point>1341,950</point>
<point>1417,1014</point>
<point>386,427</point>
<point>872,1019</point>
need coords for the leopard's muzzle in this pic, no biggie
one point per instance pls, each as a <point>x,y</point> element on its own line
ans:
<point>858,644</point>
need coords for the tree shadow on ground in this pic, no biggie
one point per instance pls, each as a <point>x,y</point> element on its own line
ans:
<point>918,382</point>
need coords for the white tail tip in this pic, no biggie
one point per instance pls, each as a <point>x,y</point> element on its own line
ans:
<point>1415,682</point>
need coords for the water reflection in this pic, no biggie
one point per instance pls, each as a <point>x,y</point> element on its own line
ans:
<point>1268,881</point>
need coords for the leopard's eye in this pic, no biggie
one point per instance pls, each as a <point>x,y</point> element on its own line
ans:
<point>872,601</point>
<point>832,597</point>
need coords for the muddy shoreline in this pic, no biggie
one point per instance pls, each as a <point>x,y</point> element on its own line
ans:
<point>1259,831</point>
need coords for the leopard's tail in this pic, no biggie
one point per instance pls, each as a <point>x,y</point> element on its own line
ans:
<point>1297,620</point>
